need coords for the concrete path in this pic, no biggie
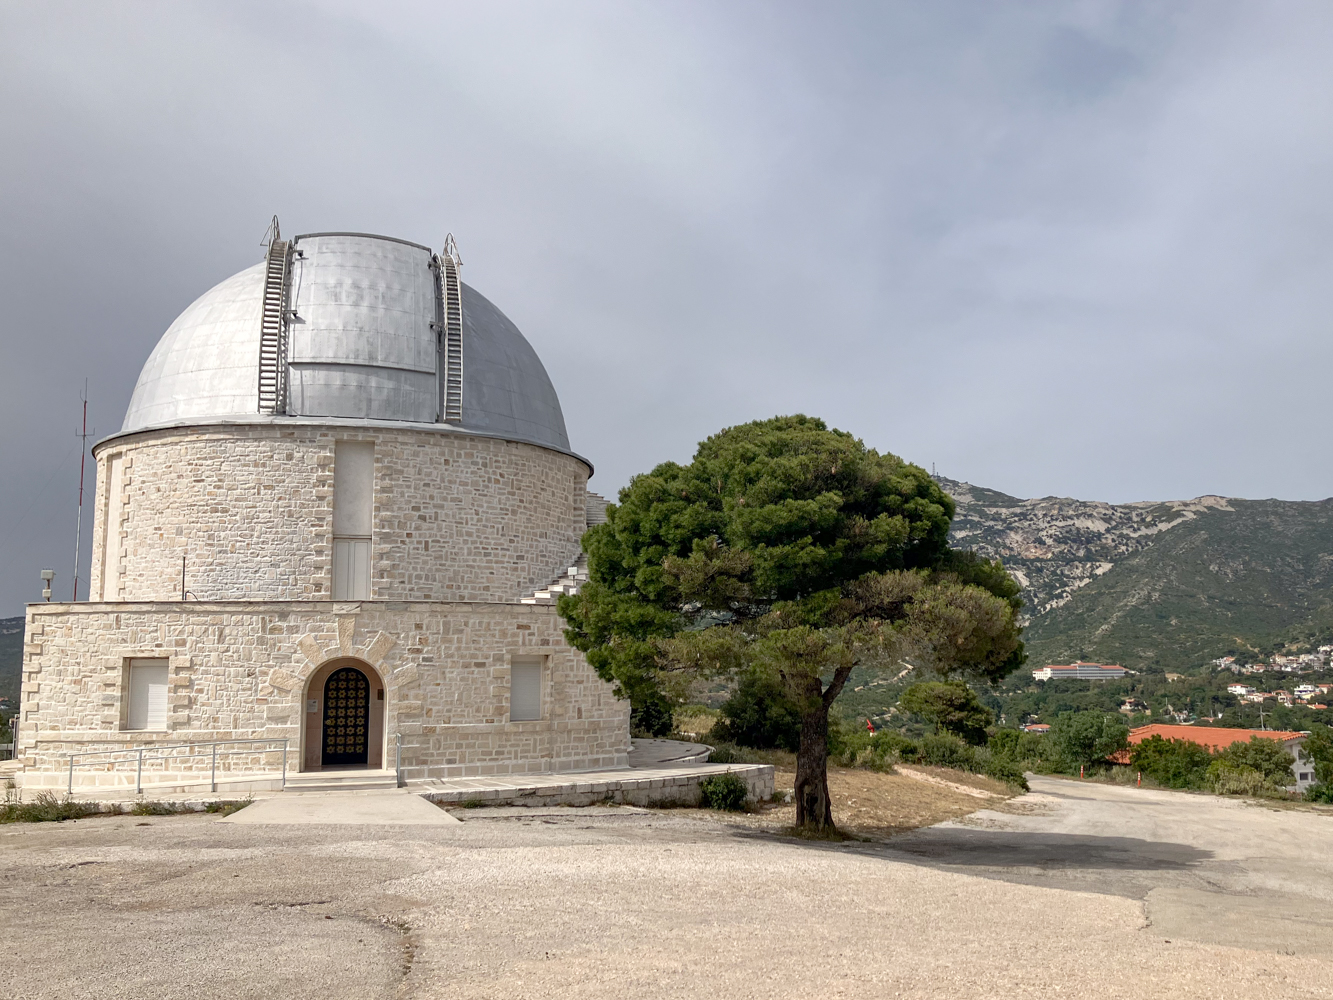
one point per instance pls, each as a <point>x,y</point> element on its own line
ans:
<point>390,808</point>
<point>604,904</point>
<point>1222,871</point>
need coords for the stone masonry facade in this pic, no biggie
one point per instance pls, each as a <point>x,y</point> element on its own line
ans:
<point>249,508</point>
<point>239,670</point>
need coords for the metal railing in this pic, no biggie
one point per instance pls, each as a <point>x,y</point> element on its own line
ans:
<point>398,757</point>
<point>147,751</point>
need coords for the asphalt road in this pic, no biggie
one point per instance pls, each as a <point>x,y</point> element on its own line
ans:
<point>1079,891</point>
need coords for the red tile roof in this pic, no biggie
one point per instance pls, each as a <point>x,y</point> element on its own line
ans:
<point>1213,737</point>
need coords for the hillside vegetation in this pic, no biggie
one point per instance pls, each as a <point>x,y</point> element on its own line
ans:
<point>1158,585</point>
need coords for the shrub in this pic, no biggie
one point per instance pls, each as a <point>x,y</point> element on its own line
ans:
<point>159,809</point>
<point>759,714</point>
<point>1319,793</point>
<point>946,751</point>
<point>47,808</point>
<point>727,792</point>
<point>1003,769</point>
<point>1172,763</point>
<point>1078,739</point>
<point>1239,781</point>
<point>951,706</point>
<point>1265,756</point>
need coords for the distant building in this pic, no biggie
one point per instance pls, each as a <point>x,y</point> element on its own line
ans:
<point>1240,690</point>
<point>1040,728</point>
<point>1216,738</point>
<point>1078,671</point>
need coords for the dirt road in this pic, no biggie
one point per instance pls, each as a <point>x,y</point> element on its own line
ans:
<point>1047,900</point>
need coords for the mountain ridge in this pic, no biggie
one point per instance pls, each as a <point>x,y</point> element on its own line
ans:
<point>1157,583</point>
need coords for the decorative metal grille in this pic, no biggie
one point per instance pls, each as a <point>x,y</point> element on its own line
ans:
<point>346,717</point>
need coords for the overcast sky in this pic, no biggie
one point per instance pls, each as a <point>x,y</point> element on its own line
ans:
<point>1080,249</point>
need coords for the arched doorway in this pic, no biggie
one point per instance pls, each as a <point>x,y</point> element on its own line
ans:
<point>346,724</point>
<point>344,717</point>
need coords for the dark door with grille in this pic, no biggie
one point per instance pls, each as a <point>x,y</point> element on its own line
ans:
<point>346,717</point>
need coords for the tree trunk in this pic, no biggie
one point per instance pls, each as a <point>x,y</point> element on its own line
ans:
<point>813,808</point>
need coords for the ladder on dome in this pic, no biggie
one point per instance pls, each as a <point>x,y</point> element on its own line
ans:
<point>273,326</point>
<point>451,409</point>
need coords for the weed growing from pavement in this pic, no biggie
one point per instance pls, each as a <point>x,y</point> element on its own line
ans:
<point>47,807</point>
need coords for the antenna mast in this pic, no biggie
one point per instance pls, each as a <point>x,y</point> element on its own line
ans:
<point>83,456</point>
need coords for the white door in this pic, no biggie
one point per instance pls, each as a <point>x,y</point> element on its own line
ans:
<point>148,695</point>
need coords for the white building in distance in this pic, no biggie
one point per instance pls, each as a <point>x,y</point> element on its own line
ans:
<point>340,488</point>
<point>1078,671</point>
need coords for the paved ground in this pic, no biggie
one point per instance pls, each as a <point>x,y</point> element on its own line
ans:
<point>1081,891</point>
<point>399,807</point>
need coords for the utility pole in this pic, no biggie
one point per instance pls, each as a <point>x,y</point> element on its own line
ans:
<point>83,456</point>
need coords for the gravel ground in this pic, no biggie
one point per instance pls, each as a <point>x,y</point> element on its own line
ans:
<point>1069,892</point>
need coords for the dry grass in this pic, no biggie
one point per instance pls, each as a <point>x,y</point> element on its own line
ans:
<point>875,805</point>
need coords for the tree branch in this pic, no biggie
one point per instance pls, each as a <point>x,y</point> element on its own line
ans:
<point>836,685</point>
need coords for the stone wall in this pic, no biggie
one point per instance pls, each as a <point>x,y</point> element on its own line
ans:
<point>240,670</point>
<point>249,509</point>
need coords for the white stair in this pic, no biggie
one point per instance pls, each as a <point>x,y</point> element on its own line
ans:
<point>340,781</point>
<point>568,583</point>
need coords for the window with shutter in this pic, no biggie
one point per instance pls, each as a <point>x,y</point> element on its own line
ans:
<point>525,689</point>
<point>148,695</point>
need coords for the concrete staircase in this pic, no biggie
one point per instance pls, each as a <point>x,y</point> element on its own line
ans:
<point>340,781</point>
<point>568,583</point>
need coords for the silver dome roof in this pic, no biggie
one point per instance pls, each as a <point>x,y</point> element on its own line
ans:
<point>361,345</point>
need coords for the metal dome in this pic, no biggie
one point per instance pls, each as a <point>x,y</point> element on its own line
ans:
<point>349,326</point>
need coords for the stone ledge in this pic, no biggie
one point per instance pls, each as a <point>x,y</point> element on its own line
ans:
<point>639,787</point>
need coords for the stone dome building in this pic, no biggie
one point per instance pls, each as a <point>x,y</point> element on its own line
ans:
<point>341,485</point>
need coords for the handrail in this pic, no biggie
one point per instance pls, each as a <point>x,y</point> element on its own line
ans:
<point>398,758</point>
<point>151,748</point>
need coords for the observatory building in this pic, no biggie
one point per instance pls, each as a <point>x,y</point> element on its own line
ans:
<point>333,520</point>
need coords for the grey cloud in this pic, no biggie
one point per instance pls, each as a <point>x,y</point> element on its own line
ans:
<point>1076,249</point>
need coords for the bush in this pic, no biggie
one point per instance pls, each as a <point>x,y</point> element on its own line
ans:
<point>946,751</point>
<point>1172,763</point>
<point>47,808</point>
<point>1319,793</point>
<point>1265,756</point>
<point>727,792</point>
<point>1239,781</point>
<point>759,714</point>
<point>1079,739</point>
<point>951,706</point>
<point>1004,769</point>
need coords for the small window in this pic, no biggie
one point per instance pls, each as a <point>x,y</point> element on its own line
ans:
<point>525,690</point>
<point>148,695</point>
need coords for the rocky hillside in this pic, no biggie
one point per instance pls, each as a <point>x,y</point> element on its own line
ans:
<point>1158,584</point>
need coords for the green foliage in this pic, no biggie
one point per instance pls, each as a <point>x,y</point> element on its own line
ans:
<point>1085,738</point>
<point>951,706</point>
<point>1322,792</point>
<point>46,807</point>
<point>159,809</point>
<point>759,714</point>
<point>1263,756</point>
<point>727,792</point>
<point>1172,763</point>
<point>787,548</point>
<point>1318,750</point>
<point>1240,781</point>
<point>1248,577</point>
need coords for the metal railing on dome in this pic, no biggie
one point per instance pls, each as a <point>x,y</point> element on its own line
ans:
<point>171,751</point>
